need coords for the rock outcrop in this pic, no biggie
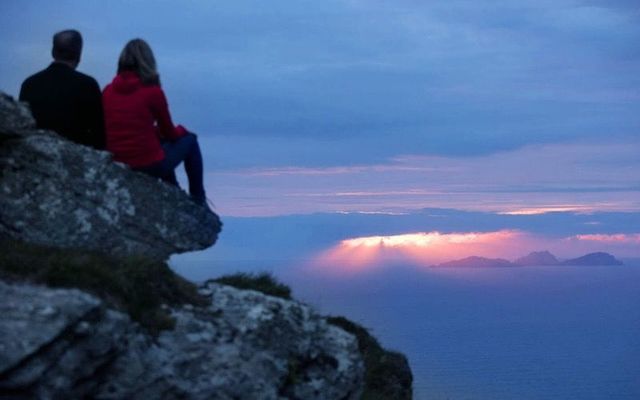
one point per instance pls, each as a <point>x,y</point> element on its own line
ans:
<point>221,343</point>
<point>58,193</point>
<point>60,343</point>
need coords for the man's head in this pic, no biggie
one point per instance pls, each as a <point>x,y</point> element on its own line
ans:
<point>67,47</point>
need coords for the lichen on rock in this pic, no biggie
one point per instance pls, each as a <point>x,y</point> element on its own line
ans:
<point>60,343</point>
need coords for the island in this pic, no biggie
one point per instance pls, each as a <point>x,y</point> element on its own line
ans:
<point>536,258</point>
<point>593,259</point>
<point>476,262</point>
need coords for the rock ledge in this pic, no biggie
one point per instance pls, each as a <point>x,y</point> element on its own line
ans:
<point>57,193</point>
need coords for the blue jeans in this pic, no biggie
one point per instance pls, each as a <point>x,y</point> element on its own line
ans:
<point>184,149</point>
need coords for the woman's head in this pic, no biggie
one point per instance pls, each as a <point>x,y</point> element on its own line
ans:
<point>138,57</point>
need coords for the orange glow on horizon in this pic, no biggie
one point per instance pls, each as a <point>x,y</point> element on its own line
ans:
<point>424,239</point>
<point>425,249</point>
<point>422,248</point>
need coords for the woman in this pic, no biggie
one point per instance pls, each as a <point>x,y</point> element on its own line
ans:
<point>138,125</point>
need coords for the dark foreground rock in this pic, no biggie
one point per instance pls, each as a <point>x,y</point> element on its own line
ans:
<point>59,343</point>
<point>58,193</point>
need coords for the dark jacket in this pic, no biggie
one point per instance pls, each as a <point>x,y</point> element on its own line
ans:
<point>68,102</point>
<point>137,119</point>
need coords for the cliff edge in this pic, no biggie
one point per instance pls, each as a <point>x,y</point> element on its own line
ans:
<point>58,193</point>
<point>65,343</point>
<point>90,309</point>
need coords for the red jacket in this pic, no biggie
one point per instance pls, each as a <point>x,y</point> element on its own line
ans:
<point>136,118</point>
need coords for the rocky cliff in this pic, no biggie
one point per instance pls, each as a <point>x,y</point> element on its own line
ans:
<point>60,343</point>
<point>58,193</point>
<point>88,309</point>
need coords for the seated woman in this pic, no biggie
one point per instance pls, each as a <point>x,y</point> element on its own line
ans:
<point>138,125</point>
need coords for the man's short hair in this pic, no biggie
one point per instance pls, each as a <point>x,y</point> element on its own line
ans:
<point>67,45</point>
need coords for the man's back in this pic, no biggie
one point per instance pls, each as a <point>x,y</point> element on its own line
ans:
<point>68,102</point>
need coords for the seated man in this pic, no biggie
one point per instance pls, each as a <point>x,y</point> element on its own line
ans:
<point>63,99</point>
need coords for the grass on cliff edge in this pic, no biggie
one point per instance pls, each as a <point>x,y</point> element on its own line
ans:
<point>387,373</point>
<point>140,286</point>
<point>263,283</point>
<point>136,285</point>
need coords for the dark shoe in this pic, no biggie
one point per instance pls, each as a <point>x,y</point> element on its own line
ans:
<point>203,201</point>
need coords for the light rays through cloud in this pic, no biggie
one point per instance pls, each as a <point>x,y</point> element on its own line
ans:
<point>421,248</point>
<point>424,249</point>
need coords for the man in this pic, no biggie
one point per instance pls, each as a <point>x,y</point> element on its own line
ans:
<point>63,99</point>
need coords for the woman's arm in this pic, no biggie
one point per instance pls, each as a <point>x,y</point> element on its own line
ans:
<point>160,111</point>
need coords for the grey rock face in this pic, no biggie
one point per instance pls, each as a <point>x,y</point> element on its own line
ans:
<point>55,343</point>
<point>58,193</point>
<point>65,344</point>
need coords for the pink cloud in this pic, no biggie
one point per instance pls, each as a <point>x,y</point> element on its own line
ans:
<point>615,238</point>
<point>532,180</point>
<point>550,209</point>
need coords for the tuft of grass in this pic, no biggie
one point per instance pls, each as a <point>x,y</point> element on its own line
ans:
<point>138,286</point>
<point>387,373</point>
<point>263,282</point>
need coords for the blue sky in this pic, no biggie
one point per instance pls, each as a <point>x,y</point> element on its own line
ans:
<point>372,79</point>
<point>341,106</point>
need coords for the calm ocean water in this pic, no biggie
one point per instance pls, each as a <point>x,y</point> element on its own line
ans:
<point>504,333</point>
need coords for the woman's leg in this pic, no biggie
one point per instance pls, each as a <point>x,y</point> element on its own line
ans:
<point>193,166</point>
<point>187,149</point>
<point>159,170</point>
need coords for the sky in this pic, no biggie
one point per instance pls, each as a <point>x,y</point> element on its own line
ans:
<point>347,106</point>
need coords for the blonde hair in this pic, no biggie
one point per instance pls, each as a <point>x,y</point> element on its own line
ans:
<point>138,57</point>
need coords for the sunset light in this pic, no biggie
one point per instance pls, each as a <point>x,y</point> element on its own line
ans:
<point>425,239</point>
<point>545,210</point>
<point>382,199</point>
<point>429,248</point>
<point>422,248</point>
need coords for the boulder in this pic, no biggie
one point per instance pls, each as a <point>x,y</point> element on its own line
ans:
<point>56,342</point>
<point>60,343</point>
<point>58,193</point>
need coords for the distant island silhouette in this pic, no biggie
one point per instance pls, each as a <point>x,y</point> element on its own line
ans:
<point>536,258</point>
<point>477,262</point>
<point>599,258</point>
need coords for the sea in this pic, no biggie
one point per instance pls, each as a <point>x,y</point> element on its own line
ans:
<point>540,332</point>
